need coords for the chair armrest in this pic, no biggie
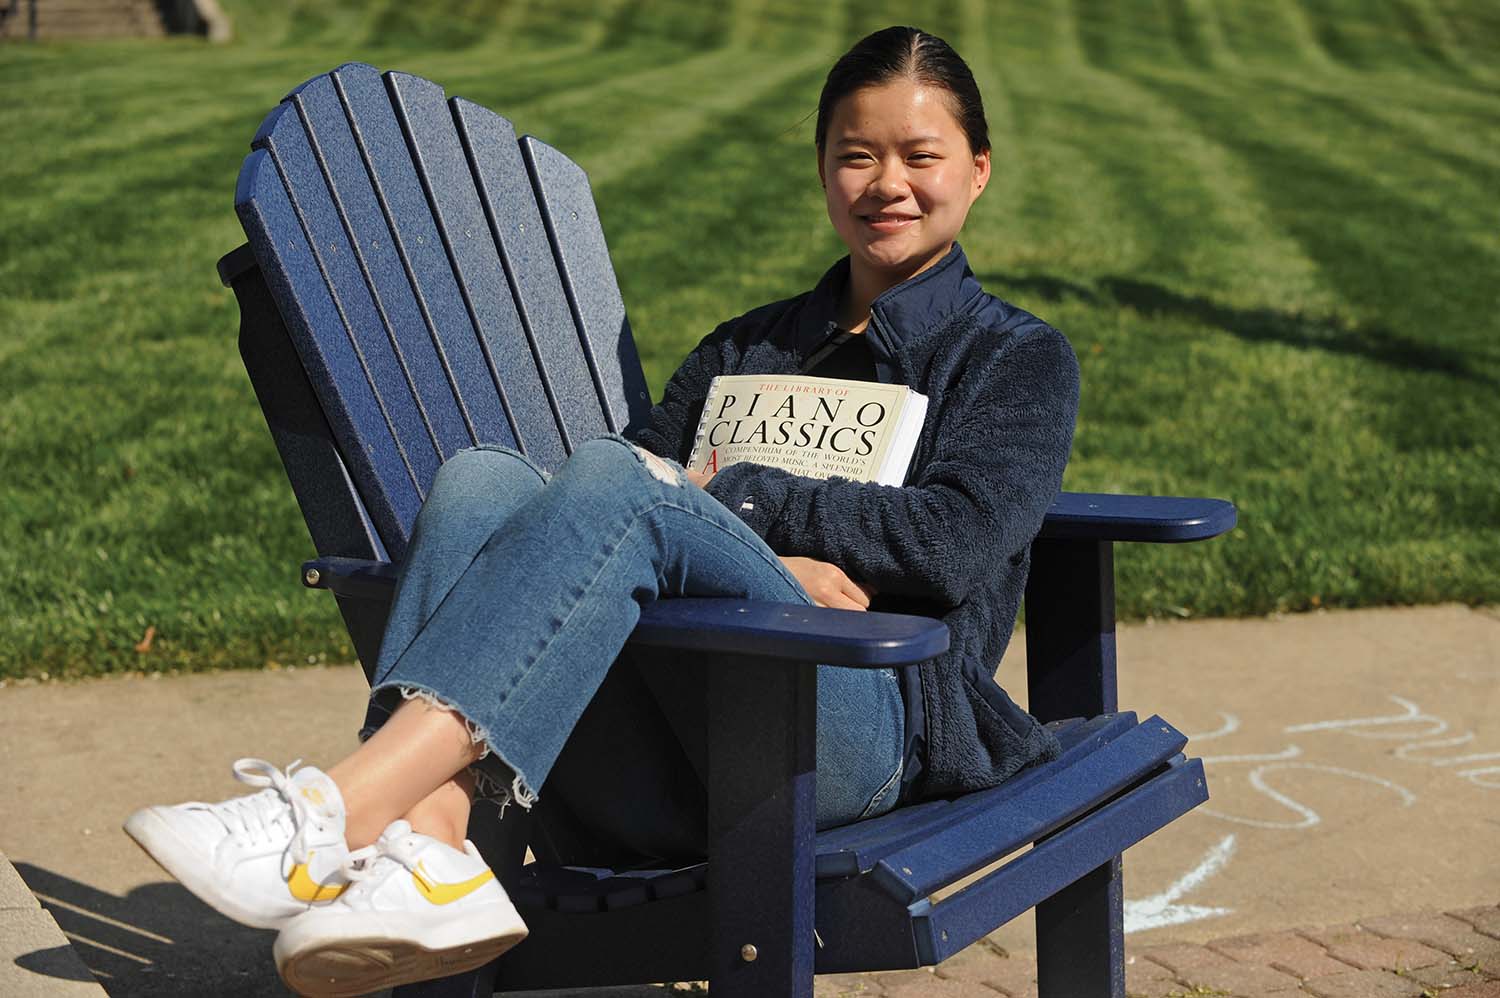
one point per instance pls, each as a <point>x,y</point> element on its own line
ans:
<point>791,631</point>
<point>1097,516</point>
<point>787,631</point>
<point>359,578</point>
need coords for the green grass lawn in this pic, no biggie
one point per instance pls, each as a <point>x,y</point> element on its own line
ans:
<point>1270,229</point>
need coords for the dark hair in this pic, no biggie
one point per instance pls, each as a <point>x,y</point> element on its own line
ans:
<point>893,53</point>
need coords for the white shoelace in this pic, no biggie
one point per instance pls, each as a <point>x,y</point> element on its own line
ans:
<point>367,868</point>
<point>273,813</point>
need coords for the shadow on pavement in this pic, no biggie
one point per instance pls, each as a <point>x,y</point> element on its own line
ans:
<point>160,940</point>
<point>156,940</point>
<point>55,961</point>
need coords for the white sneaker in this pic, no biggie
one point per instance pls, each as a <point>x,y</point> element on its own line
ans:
<point>417,909</point>
<point>262,858</point>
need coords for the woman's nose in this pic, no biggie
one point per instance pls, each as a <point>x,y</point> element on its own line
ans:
<point>889,183</point>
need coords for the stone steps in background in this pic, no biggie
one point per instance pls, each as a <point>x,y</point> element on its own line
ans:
<point>57,19</point>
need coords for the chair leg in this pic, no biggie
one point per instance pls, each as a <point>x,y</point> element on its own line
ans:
<point>762,767</point>
<point>1070,630</point>
<point>1080,937</point>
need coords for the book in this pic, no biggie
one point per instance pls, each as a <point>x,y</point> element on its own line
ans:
<point>818,427</point>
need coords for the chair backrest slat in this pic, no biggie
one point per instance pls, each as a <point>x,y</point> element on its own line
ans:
<point>517,231</point>
<point>308,146</point>
<point>567,204</point>
<point>334,366</point>
<point>444,283</point>
<point>449,373</point>
<point>499,330</point>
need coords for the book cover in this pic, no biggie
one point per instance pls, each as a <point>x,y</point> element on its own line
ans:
<point>817,427</point>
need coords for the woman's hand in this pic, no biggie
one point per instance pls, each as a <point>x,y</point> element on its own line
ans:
<point>698,478</point>
<point>827,584</point>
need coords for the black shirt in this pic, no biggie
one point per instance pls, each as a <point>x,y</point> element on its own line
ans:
<point>843,355</point>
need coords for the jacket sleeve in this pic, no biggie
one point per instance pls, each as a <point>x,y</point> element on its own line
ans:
<point>669,431</point>
<point>994,467</point>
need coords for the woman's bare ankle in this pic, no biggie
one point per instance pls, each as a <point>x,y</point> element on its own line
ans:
<point>406,768</point>
<point>444,814</point>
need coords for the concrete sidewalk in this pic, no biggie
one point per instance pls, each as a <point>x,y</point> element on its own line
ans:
<point>1353,758</point>
<point>36,958</point>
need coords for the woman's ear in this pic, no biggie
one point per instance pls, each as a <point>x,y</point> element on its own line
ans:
<point>981,172</point>
<point>822,178</point>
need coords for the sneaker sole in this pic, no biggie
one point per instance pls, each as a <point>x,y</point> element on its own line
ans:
<point>350,967</point>
<point>169,851</point>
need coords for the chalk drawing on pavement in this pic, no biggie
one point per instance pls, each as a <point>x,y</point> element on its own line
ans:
<point>1475,776</point>
<point>1163,909</point>
<point>1229,724</point>
<point>1273,762</point>
<point>1306,816</point>
<point>1487,776</point>
<point>1356,726</point>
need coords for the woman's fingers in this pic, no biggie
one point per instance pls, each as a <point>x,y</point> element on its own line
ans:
<point>856,593</point>
<point>827,584</point>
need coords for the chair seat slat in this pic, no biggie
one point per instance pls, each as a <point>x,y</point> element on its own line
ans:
<point>579,889</point>
<point>958,850</point>
<point>857,848</point>
<point>956,922</point>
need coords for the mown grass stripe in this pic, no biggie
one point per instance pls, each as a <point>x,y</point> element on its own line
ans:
<point>1312,182</point>
<point>760,238</point>
<point>1192,28</point>
<point>1443,134</point>
<point>1304,33</point>
<point>645,144</point>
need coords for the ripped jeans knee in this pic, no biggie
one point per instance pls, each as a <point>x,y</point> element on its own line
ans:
<point>661,469</point>
<point>608,458</point>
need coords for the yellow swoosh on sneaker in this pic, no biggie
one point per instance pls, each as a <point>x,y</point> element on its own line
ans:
<point>438,893</point>
<point>304,888</point>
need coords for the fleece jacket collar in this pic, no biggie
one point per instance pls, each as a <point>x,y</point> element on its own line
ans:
<point>900,314</point>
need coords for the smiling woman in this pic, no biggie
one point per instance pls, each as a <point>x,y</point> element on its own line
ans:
<point>903,154</point>
<point>538,699</point>
<point>900,176</point>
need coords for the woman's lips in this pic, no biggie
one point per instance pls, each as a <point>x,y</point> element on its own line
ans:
<point>888,223</point>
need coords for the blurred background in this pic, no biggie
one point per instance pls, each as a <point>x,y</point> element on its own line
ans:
<point>1270,229</point>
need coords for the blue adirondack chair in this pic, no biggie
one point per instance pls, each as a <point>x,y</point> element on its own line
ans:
<point>416,280</point>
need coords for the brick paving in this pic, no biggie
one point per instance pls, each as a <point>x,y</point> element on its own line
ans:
<point>1423,954</point>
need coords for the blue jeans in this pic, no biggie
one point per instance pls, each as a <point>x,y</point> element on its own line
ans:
<point>516,598</point>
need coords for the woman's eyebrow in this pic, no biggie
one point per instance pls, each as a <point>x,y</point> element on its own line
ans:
<point>860,140</point>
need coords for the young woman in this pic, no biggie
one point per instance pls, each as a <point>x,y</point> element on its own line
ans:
<point>501,666</point>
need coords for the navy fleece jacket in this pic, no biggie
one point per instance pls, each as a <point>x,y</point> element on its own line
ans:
<point>954,541</point>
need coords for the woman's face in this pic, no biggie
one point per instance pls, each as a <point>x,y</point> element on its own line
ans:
<point>900,177</point>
